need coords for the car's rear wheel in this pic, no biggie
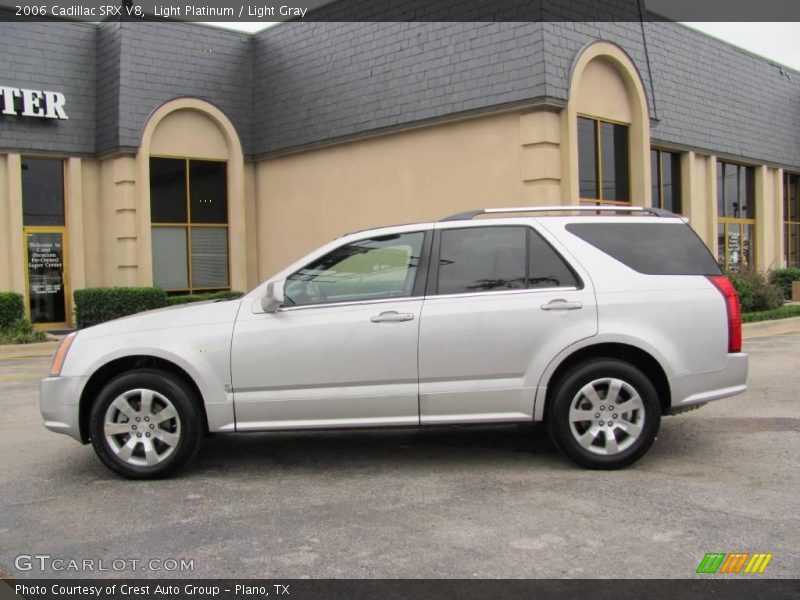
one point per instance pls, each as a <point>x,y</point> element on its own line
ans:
<point>145,424</point>
<point>605,414</point>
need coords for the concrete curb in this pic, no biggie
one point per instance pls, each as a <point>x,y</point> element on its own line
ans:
<point>37,350</point>
<point>774,327</point>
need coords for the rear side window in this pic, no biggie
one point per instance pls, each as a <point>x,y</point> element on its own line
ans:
<point>650,248</point>
<point>546,269</point>
<point>482,259</point>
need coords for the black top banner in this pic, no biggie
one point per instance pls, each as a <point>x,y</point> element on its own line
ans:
<point>265,11</point>
<point>397,589</point>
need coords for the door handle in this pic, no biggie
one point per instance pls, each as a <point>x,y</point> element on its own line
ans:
<point>561,304</point>
<point>392,316</point>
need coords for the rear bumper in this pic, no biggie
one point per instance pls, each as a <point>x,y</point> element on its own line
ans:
<point>59,399</point>
<point>700,388</point>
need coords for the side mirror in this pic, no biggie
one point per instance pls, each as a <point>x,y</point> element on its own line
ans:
<point>274,297</point>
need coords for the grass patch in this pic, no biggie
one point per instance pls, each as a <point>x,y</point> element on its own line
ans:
<point>784,312</point>
<point>20,332</point>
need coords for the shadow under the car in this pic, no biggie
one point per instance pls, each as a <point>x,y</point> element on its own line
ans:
<point>360,448</point>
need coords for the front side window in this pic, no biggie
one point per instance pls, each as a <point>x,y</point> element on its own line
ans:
<point>483,259</point>
<point>736,217</point>
<point>373,269</point>
<point>791,219</point>
<point>603,162</point>
<point>189,216</point>
<point>665,179</point>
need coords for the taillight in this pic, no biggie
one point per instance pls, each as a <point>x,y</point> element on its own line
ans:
<point>725,287</point>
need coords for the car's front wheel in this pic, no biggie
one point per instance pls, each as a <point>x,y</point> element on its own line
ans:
<point>145,424</point>
<point>605,414</point>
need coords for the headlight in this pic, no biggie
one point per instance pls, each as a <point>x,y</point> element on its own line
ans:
<point>61,354</point>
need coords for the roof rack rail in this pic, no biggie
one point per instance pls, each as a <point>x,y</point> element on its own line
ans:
<point>470,214</point>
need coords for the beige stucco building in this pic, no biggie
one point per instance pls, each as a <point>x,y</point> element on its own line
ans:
<point>190,200</point>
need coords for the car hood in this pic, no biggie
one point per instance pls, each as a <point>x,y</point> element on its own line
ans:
<point>196,314</point>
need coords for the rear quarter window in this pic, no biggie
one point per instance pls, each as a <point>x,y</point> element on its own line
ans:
<point>650,248</point>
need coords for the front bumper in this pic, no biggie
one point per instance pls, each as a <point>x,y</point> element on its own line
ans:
<point>700,388</point>
<point>59,403</point>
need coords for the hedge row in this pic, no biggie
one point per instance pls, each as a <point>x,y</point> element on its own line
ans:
<point>784,312</point>
<point>783,278</point>
<point>98,305</point>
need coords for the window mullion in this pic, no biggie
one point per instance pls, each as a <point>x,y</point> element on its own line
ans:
<point>188,231</point>
<point>599,162</point>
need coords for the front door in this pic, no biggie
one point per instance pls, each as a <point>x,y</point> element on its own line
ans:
<point>44,230</point>
<point>47,285</point>
<point>343,351</point>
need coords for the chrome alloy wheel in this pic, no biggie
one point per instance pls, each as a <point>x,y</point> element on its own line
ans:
<point>142,427</point>
<point>606,416</point>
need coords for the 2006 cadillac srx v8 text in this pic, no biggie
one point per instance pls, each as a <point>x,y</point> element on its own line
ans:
<point>596,320</point>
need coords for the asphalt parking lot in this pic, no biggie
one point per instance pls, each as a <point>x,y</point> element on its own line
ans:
<point>489,502</point>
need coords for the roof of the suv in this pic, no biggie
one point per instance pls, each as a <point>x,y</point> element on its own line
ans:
<point>542,212</point>
<point>470,214</point>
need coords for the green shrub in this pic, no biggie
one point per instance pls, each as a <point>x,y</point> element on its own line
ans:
<point>783,278</point>
<point>20,332</point>
<point>98,305</point>
<point>12,309</point>
<point>755,292</point>
<point>784,312</point>
<point>187,298</point>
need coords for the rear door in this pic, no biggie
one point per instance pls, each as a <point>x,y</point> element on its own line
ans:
<point>501,302</point>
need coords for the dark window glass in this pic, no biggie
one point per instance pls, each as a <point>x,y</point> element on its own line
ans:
<point>747,192</point>
<point>666,180</point>
<point>789,199</point>
<point>650,248</point>
<point>791,216</point>
<point>546,268</point>
<point>655,178</point>
<point>735,191</point>
<point>587,158</point>
<point>672,182</point>
<point>731,185</point>
<point>209,191</point>
<point>373,269</point>
<point>614,148</point>
<point>168,190</point>
<point>792,245</point>
<point>480,259</point>
<point>42,192</point>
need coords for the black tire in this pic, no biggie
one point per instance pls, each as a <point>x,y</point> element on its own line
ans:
<point>598,451</point>
<point>186,426</point>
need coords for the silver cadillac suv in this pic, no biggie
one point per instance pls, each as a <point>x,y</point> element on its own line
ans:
<point>595,320</point>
